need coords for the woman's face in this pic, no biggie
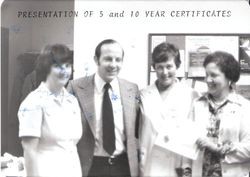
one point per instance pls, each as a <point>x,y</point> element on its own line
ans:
<point>166,73</point>
<point>216,80</point>
<point>60,74</point>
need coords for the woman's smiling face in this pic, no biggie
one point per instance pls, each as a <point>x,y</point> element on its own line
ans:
<point>216,80</point>
<point>60,74</point>
<point>166,73</point>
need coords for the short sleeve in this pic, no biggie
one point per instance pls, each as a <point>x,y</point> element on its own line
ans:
<point>30,117</point>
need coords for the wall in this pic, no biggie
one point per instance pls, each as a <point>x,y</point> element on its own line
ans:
<point>28,35</point>
<point>19,34</point>
<point>132,33</point>
<point>52,30</point>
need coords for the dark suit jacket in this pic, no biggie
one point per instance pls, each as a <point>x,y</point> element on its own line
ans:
<point>83,89</point>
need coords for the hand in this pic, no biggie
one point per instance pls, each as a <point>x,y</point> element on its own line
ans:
<point>227,148</point>
<point>184,172</point>
<point>187,172</point>
<point>206,143</point>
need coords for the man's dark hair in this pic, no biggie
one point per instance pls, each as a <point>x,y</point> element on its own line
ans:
<point>99,46</point>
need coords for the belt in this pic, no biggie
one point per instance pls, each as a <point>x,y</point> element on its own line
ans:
<point>112,160</point>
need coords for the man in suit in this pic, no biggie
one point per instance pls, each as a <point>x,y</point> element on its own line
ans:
<point>109,105</point>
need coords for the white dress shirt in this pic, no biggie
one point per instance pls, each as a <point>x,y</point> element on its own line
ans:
<point>115,98</point>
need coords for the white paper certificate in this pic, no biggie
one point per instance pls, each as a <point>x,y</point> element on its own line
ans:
<point>180,139</point>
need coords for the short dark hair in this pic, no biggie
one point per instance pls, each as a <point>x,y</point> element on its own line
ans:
<point>106,41</point>
<point>163,52</point>
<point>227,64</point>
<point>55,54</point>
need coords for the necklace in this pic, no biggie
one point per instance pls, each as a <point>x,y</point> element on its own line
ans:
<point>217,103</point>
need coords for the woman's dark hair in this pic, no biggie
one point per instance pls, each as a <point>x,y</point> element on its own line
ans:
<point>165,51</point>
<point>227,64</point>
<point>54,54</point>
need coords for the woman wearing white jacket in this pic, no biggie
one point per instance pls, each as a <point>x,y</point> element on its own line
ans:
<point>223,118</point>
<point>166,102</point>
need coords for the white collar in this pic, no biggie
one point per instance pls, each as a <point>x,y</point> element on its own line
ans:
<point>45,89</point>
<point>99,84</point>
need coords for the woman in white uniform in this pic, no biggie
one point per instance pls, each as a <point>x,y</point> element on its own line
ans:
<point>50,121</point>
<point>164,103</point>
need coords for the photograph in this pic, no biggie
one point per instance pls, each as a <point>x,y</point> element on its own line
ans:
<point>125,88</point>
<point>244,54</point>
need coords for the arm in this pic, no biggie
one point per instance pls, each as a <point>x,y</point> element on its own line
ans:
<point>30,145</point>
<point>138,113</point>
<point>237,150</point>
<point>142,149</point>
<point>241,149</point>
<point>30,117</point>
<point>186,165</point>
<point>147,135</point>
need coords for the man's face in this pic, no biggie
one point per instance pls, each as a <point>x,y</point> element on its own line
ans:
<point>110,61</point>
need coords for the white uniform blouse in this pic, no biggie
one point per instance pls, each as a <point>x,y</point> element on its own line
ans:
<point>56,121</point>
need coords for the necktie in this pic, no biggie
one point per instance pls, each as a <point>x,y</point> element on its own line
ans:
<point>108,127</point>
